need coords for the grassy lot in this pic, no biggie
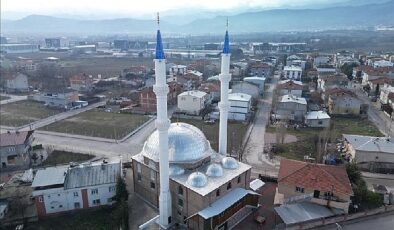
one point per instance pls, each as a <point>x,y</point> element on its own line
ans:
<point>99,219</point>
<point>236,132</point>
<point>24,112</point>
<point>4,98</point>
<point>98,123</point>
<point>62,157</point>
<point>308,136</point>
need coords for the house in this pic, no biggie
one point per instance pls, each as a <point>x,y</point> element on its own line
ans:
<point>190,80</point>
<point>376,84</point>
<point>328,81</point>
<point>147,98</point>
<point>72,187</point>
<point>291,108</point>
<point>17,83</point>
<point>260,81</point>
<point>317,119</point>
<point>15,149</point>
<point>81,82</point>
<point>343,102</point>
<point>320,184</point>
<point>213,89</point>
<point>321,60</point>
<point>290,87</point>
<point>240,105</point>
<point>260,69</point>
<point>192,102</point>
<point>292,72</point>
<point>385,91</point>
<point>326,70</point>
<point>60,98</point>
<point>375,154</point>
<point>294,60</point>
<point>246,88</point>
<point>177,69</point>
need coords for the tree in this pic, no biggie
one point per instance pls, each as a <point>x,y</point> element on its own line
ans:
<point>121,211</point>
<point>347,69</point>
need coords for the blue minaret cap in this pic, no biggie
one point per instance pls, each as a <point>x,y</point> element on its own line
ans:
<point>159,47</point>
<point>226,46</point>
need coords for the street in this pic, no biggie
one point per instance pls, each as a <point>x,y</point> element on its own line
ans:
<point>381,222</point>
<point>254,147</point>
<point>13,98</point>
<point>382,121</point>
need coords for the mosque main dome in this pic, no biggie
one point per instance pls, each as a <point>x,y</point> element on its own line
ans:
<point>186,143</point>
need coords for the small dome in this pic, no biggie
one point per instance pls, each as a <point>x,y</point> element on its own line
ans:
<point>175,170</point>
<point>185,143</point>
<point>229,163</point>
<point>215,170</point>
<point>197,179</point>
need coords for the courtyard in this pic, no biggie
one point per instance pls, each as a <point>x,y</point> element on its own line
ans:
<point>98,123</point>
<point>24,112</point>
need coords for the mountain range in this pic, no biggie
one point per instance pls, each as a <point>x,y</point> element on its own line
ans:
<point>339,17</point>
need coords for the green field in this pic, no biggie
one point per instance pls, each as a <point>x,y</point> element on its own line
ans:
<point>98,123</point>
<point>97,219</point>
<point>62,157</point>
<point>306,137</point>
<point>236,133</point>
<point>24,112</point>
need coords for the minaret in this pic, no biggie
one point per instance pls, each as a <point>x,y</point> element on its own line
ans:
<point>162,125</point>
<point>224,105</point>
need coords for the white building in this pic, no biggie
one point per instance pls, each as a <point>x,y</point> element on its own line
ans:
<point>321,60</point>
<point>291,108</point>
<point>240,104</point>
<point>69,187</point>
<point>384,93</point>
<point>292,72</point>
<point>290,87</point>
<point>246,88</point>
<point>372,153</point>
<point>17,83</point>
<point>18,48</point>
<point>316,119</point>
<point>382,63</point>
<point>192,102</point>
<point>260,81</point>
<point>177,69</point>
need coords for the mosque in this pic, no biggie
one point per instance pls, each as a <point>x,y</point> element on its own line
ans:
<point>179,173</point>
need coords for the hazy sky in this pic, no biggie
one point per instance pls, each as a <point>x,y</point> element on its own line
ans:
<point>138,7</point>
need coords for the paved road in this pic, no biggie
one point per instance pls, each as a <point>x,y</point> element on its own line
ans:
<point>382,222</point>
<point>382,121</point>
<point>255,145</point>
<point>13,98</point>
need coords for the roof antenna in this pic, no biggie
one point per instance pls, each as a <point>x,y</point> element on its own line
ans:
<point>227,24</point>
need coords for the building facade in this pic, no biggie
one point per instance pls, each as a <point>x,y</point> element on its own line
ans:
<point>15,149</point>
<point>192,102</point>
<point>17,83</point>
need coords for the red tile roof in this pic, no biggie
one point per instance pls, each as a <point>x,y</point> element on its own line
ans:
<point>315,176</point>
<point>340,92</point>
<point>381,81</point>
<point>14,138</point>
<point>209,87</point>
<point>290,85</point>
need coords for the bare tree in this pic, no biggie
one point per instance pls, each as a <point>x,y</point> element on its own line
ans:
<point>280,133</point>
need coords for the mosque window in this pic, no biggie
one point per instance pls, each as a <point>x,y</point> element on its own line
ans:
<point>218,192</point>
<point>152,185</point>
<point>180,190</point>
<point>229,186</point>
<point>180,202</point>
<point>239,180</point>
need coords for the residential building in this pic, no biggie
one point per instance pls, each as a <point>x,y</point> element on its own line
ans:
<point>192,102</point>
<point>375,154</point>
<point>343,102</point>
<point>292,72</point>
<point>385,91</point>
<point>25,64</point>
<point>317,119</point>
<point>15,149</point>
<point>72,187</point>
<point>259,81</point>
<point>383,63</point>
<point>320,184</point>
<point>190,80</point>
<point>246,88</point>
<point>62,98</point>
<point>291,108</point>
<point>260,69</point>
<point>240,105</point>
<point>81,82</point>
<point>375,85</point>
<point>17,83</point>
<point>177,69</point>
<point>213,89</point>
<point>321,60</point>
<point>147,98</point>
<point>328,81</point>
<point>290,87</point>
